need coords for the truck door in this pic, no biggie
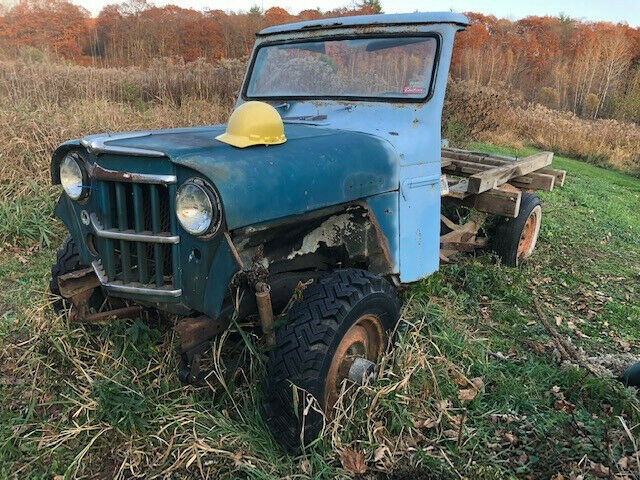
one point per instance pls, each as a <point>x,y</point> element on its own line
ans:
<point>419,221</point>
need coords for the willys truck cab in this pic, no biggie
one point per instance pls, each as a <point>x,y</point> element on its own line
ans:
<point>320,198</point>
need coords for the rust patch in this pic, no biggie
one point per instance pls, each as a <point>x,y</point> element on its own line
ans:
<point>265,311</point>
<point>508,187</point>
<point>125,312</point>
<point>195,331</point>
<point>77,282</point>
<point>78,286</point>
<point>332,232</point>
<point>382,239</point>
<point>195,334</point>
<point>347,233</point>
<point>529,236</point>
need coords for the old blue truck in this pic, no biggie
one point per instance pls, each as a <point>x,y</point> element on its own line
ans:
<point>327,191</point>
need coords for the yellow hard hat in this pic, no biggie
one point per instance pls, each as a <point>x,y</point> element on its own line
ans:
<point>254,123</point>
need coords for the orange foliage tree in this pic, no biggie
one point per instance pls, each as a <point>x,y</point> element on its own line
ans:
<point>57,25</point>
<point>278,16</point>
<point>558,59</point>
<point>555,56</point>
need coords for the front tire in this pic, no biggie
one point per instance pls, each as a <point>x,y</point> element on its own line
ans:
<point>344,315</point>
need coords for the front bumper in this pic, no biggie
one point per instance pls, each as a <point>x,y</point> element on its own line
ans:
<point>118,287</point>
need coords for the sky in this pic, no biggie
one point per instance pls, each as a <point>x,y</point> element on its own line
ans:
<point>609,10</point>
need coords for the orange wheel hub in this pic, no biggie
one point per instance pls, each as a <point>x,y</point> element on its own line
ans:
<point>529,234</point>
<point>364,339</point>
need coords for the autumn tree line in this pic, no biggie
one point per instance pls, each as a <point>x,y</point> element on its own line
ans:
<point>589,68</point>
<point>134,32</point>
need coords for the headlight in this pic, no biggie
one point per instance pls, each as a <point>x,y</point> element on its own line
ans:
<point>72,177</point>
<point>197,207</point>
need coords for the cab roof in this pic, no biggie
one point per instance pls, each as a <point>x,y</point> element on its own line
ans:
<point>416,18</point>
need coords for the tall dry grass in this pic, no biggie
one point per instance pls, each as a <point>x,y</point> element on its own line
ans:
<point>604,142</point>
<point>164,80</point>
<point>501,116</point>
<point>44,104</point>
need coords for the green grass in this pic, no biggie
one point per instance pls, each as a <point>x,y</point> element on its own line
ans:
<point>26,218</point>
<point>104,400</point>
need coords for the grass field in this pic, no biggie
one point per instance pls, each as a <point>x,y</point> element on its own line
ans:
<point>473,387</point>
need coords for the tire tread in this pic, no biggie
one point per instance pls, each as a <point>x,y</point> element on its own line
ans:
<point>304,342</point>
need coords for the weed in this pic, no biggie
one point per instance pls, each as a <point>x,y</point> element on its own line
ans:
<point>120,405</point>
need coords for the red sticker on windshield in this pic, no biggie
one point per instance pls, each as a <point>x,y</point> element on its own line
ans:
<point>407,90</point>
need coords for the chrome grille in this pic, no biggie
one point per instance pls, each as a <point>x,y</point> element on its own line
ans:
<point>136,244</point>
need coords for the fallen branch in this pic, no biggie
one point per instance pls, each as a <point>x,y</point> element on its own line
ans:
<point>566,349</point>
<point>463,417</point>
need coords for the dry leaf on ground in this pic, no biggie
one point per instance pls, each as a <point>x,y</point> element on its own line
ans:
<point>600,471</point>
<point>565,406</point>
<point>305,467</point>
<point>380,453</point>
<point>352,461</point>
<point>468,394</point>
<point>511,438</point>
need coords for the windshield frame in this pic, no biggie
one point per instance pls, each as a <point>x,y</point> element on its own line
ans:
<point>398,99</point>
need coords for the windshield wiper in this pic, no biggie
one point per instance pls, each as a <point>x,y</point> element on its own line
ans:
<point>306,118</point>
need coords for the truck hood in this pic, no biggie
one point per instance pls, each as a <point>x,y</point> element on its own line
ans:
<point>315,168</point>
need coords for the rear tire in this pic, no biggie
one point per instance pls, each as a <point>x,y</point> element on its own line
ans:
<point>514,239</point>
<point>340,312</point>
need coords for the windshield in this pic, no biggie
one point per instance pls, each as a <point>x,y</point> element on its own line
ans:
<point>375,68</point>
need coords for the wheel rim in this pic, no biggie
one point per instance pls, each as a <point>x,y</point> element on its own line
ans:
<point>364,339</point>
<point>529,235</point>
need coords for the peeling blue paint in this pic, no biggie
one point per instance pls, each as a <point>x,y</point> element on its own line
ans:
<point>315,168</point>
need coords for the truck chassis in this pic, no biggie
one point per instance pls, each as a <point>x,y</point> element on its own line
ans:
<point>488,185</point>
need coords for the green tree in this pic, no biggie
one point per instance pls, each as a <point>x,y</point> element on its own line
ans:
<point>255,10</point>
<point>591,104</point>
<point>370,5</point>
<point>549,97</point>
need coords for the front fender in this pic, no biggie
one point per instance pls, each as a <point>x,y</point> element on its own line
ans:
<point>57,157</point>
